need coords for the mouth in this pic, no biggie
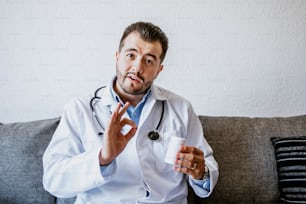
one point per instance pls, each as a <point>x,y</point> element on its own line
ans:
<point>135,78</point>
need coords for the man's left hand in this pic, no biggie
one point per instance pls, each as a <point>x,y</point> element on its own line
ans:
<point>190,160</point>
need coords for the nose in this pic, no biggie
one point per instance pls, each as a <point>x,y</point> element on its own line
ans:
<point>137,66</point>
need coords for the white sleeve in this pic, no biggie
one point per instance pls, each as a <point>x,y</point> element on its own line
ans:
<point>68,168</point>
<point>196,138</point>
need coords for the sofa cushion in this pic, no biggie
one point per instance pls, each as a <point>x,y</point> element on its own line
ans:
<point>290,153</point>
<point>22,146</point>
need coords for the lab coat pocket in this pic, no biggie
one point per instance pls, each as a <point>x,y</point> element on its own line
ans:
<point>160,148</point>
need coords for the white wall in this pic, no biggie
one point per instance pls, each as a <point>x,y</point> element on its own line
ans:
<point>231,57</point>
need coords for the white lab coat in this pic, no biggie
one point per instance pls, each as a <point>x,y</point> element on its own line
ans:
<point>139,174</point>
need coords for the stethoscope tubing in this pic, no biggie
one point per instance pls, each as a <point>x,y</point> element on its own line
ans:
<point>153,135</point>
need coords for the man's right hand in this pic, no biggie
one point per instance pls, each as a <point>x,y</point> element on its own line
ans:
<point>114,141</point>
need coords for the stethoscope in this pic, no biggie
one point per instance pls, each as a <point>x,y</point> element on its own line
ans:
<point>153,135</point>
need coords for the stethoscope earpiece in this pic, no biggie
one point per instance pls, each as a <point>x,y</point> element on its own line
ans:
<point>153,135</point>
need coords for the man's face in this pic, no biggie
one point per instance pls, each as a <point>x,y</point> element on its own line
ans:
<point>137,64</point>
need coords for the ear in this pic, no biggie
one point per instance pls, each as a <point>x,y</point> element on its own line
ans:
<point>161,67</point>
<point>117,55</point>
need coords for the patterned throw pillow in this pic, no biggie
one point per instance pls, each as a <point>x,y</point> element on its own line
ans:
<point>290,153</point>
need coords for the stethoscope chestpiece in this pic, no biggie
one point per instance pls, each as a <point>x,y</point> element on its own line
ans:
<point>153,135</point>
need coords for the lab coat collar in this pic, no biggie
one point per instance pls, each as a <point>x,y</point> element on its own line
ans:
<point>157,93</point>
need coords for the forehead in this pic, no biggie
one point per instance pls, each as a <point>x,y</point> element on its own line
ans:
<point>134,41</point>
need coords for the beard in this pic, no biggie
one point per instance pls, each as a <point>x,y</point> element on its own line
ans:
<point>132,83</point>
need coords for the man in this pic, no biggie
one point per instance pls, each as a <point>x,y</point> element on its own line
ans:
<point>110,147</point>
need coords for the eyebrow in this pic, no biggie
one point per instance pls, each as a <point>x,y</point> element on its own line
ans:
<point>135,50</point>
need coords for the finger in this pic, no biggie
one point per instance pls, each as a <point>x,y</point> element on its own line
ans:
<point>186,156</point>
<point>189,159</point>
<point>190,164</point>
<point>130,133</point>
<point>191,149</point>
<point>119,111</point>
<point>184,163</point>
<point>194,173</point>
<point>123,109</point>
<point>184,170</point>
<point>115,114</point>
<point>126,121</point>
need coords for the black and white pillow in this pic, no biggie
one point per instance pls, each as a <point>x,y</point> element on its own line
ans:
<point>290,153</point>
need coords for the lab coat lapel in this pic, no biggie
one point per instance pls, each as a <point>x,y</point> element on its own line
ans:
<point>146,111</point>
<point>156,96</point>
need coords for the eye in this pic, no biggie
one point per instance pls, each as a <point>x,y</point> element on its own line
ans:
<point>130,55</point>
<point>149,61</point>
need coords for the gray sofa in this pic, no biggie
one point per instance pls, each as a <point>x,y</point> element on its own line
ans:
<point>242,146</point>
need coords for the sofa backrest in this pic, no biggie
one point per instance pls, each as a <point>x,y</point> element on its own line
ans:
<point>244,152</point>
<point>22,146</point>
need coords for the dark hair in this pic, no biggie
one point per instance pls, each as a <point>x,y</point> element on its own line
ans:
<point>148,32</point>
